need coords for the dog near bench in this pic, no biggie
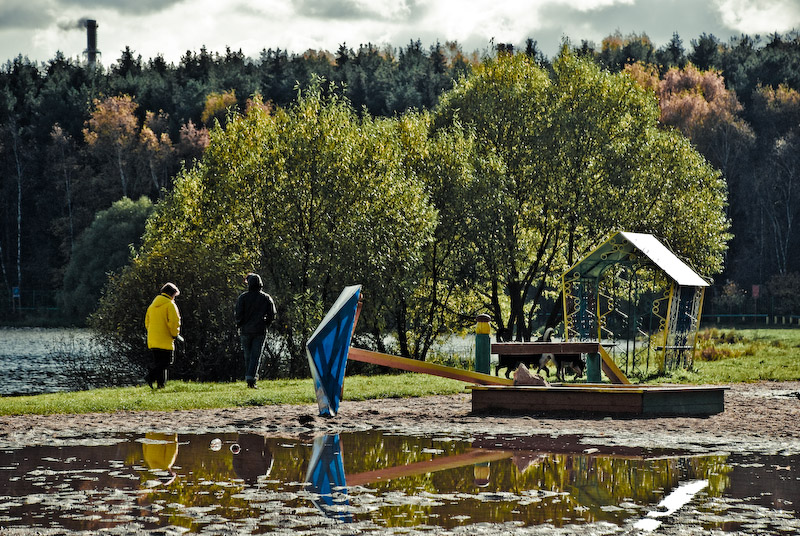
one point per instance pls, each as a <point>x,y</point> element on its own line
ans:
<point>573,362</point>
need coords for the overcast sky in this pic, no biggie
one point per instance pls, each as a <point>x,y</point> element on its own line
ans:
<point>39,28</point>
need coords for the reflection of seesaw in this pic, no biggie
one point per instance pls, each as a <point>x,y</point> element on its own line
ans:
<point>329,485</point>
<point>442,463</point>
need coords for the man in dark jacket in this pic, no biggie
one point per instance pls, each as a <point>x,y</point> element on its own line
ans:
<point>255,311</point>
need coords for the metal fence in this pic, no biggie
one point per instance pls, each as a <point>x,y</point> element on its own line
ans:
<point>26,300</point>
<point>765,319</point>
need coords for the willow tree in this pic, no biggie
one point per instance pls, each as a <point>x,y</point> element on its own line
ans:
<point>572,156</point>
<point>312,197</point>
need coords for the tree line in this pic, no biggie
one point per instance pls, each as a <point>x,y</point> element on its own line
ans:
<point>739,104</point>
<point>75,143</point>
<point>476,205</point>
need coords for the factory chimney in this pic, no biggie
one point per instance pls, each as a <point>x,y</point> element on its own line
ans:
<point>91,43</point>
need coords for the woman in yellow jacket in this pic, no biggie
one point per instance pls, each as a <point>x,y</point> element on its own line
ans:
<point>163,324</point>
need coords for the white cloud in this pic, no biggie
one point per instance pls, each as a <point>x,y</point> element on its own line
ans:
<point>591,5</point>
<point>760,16</point>
<point>172,27</point>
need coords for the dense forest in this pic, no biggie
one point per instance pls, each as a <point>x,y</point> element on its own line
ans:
<point>86,153</point>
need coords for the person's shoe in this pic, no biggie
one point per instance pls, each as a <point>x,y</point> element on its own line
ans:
<point>251,384</point>
<point>149,382</point>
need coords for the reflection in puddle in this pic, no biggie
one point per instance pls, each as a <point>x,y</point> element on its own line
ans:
<point>326,478</point>
<point>249,483</point>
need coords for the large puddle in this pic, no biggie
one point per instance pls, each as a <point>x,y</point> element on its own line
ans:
<point>358,482</point>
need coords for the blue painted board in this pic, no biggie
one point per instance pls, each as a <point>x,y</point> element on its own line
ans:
<point>327,350</point>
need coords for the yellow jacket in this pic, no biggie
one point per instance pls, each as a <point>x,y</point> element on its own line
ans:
<point>163,323</point>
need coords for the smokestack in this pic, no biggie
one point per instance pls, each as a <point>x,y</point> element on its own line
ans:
<point>91,43</point>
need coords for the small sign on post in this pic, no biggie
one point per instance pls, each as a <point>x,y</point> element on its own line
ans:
<point>15,299</point>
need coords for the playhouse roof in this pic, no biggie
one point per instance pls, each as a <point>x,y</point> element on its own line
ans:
<point>633,247</point>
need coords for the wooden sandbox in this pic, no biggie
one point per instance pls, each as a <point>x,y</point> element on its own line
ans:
<point>600,399</point>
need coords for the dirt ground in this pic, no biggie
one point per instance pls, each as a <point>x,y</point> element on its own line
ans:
<point>758,417</point>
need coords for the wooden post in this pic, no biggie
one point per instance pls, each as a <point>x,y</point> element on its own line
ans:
<point>483,354</point>
<point>593,368</point>
<point>481,473</point>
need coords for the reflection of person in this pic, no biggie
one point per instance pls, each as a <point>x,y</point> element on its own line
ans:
<point>253,459</point>
<point>163,324</point>
<point>160,452</point>
<point>255,311</point>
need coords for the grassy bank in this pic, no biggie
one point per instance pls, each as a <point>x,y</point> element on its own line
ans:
<point>723,357</point>
<point>179,395</point>
<point>742,355</point>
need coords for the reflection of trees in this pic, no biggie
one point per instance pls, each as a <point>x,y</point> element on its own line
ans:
<point>205,479</point>
<point>527,487</point>
<point>556,488</point>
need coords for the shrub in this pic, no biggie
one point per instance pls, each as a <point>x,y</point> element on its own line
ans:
<point>104,247</point>
<point>714,344</point>
<point>730,298</point>
<point>785,291</point>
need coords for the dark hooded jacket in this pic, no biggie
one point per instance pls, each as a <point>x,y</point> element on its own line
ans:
<point>255,309</point>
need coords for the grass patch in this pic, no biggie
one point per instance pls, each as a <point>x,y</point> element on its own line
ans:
<point>723,357</point>
<point>742,355</point>
<point>179,395</point>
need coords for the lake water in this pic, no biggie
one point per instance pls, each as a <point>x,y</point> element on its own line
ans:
<point>381,482</point>
<point>44,360</point>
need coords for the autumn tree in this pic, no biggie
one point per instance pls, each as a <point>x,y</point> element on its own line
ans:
<point>192,141</point>
<point>140,154</point>
<point>699,105</point>
<point>111,133</point>
<point>158,155</point>
<point>217,106</point>
<point>775,111</point>
<point>618,50</point>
